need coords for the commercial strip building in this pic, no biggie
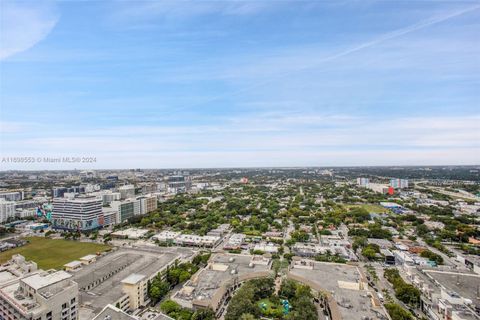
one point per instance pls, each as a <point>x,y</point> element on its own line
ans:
<point>131,233</point>
<point>313,249</point>
<point>187,240</point>
<point>235,241</point>
<point>41,295</point>
<point>77,214</point>
<point>212,286</point>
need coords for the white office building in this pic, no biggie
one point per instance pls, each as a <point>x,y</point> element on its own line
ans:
<point>82,213</point>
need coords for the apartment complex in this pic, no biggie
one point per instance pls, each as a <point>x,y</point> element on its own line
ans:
<point>179,183</point>
<point>363,182</point>
<point>399,183</point>
<point>126,209</point>
<point>132,207</point>
<point>82,213</point>
<point>127,191</point>
<point>147,204</point>
<point>40,296</point>
<point>12,195</point>
<point>7,210</point>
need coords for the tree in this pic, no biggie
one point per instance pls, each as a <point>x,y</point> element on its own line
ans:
<point>288,289</point>
<point>157,289</point>
<point>170,306</point>
<point>242,303</point>
<point>304,309</point>
<point>205,314</point>
<point>396,312</point>
<point>369,253</point>
<point>432,256</point>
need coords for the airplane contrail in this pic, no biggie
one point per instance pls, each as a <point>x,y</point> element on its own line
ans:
<point>385,37</point>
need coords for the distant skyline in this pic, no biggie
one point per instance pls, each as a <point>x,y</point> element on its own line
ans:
<point>205,84</point>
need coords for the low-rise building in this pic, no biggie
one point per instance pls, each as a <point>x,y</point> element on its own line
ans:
<point>130,233</point>
<point>166,236</point>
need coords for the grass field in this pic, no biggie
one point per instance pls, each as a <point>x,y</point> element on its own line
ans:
<point>371,208</point>
<point>49,253</point>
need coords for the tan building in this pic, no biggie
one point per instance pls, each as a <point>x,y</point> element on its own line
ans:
<point>73,266</point>
<point>41,295</point>
<point>88,259</point>
<point>135,287</point>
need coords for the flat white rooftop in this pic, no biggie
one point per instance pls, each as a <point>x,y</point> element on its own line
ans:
<point>38,281</point>
<point>73,264</point>
<point>88,257</point>
<point>134,278</point>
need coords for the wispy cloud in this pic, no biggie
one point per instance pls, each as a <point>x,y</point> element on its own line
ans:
<point>24,24</point>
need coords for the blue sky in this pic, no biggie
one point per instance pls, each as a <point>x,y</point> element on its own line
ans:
<point>155,84</point>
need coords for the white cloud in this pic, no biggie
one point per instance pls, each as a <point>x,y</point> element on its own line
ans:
<point>24,24</point>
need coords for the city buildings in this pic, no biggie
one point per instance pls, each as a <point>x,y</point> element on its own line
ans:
<point>81,213</point>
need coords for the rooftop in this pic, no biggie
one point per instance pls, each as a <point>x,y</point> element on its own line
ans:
<point>40,280</point>
<point>344,283</point>
<point>133,278</point>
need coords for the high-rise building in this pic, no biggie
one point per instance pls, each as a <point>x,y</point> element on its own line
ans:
<point>7,210</point>
<point>179,183</point>
<point>59,192</point>
<point>126,209</point>
<point>147,204</point>
<point>363,182</point>
<point>11,195</point>
<point>127,191</point>
<point>399,183</point>
<point>40,295</point>
<point>81,213</point>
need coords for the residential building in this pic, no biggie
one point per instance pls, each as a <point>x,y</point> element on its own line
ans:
<point>363,182</point>
<point>179,183</point>
<point>135,286</point>
<point>148,203</point>
<point>40,296</point>
<point>127,191</point>
<point>126,209</point>
<point>399,183</point>
<point>7,210</point>
<point>12,195</point>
